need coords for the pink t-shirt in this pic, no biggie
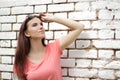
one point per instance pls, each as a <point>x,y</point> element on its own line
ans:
<point>49,67</point>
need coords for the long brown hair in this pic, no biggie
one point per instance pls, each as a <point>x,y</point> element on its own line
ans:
<point>23,49</point>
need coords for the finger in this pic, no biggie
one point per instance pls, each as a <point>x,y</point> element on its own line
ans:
<point>41,14</point>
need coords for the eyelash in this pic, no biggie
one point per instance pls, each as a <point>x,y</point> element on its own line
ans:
<point>35,24</point>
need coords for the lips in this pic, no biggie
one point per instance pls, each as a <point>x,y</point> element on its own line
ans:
<point>41,30</point>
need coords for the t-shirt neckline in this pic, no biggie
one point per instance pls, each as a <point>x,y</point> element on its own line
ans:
<point>40,62</point>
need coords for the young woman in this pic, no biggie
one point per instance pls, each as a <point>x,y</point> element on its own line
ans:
<point>33,59</point>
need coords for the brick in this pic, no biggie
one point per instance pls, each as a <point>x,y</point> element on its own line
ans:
<point>83,63</point>
<point>104,74</point>
<point>64,71</point>
<point>49,34</point>
<point>113,65</point>
<point>0,27</point>
<point>117,73</point>
<point>16,27</point>
<point>117,54</point>
<point>63,14</point>
<point>13,59</point>
<point>14,43</point>
<point>6,67</point>
<point>22,10</point>
<point>6,75</point>
<point>105,14</point>
<point>7,19</point>
<point>68,78</point>
<point>82,54</point>
<point>0,59</point>
<point>4,11</point>
<point>73,0</point>
<point>68,62</point>
<point>88,35</point>
<point>6,59</point>
<point>82,6</point>
<point>82,72</point>
<point>85,15</point>
<point>117,15</point>
<point>79,0</point>
<point>8,3</point>
<point>108,44</point>
<point>105,54</point>
<point>59,34</point>
<point>82,79</point>
<point>113,5</point>
<point>6,27</point>
<point>96,79</point>
<point>57,26</point>
<point>59,1</point>
<point>97,5</point>
<point>21,18</point>
<point>82,43</point>
<point>5,43</point>
<point>99,24</point>
<point>99,63</point>
<point>61,7</point>
<point>41,8</point>
<point>7,35</point>
<point>117,34</point>
<point>7,51</point>
<point>106,34</point>
<point>36,2</point>
<point>106,24</point>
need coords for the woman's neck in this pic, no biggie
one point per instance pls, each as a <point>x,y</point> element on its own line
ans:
<point>36,46</point>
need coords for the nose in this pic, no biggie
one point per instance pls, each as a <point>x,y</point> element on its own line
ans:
<point>40,27</point>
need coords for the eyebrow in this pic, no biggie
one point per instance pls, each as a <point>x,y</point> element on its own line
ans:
<point>36,23</point>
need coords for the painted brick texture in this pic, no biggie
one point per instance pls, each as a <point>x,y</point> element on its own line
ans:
<point>94,55</point>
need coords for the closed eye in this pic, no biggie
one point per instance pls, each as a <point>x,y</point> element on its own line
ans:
<point>34,24</point>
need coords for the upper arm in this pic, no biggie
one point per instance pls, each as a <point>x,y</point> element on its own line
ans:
<point>65,41</point>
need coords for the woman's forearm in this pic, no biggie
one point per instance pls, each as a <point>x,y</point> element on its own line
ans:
<point>73,25</point>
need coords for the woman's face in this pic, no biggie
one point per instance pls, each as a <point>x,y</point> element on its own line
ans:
<point>35,29</point>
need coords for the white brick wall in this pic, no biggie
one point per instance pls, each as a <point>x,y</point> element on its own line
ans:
<point>104,74</point>
<point>8,19</point>
<point>95,53</point>
<point>82,53</point>
<point>4,11</point>
<point>7,35</point>
<point>6,27</point>
<point>22,10</point>
<point>105,54</point>
<point>61,7</point>
<point>6,59</point>
<point>105,14</point>
<point>82,72</point>
<point>6,75</point>
<point>82,6</point>
<point>85,15</point>
<point>112,44</point>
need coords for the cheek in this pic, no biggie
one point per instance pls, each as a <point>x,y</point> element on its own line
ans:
<point>31,30</point>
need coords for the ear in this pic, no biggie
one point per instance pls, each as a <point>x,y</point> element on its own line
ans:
<point>27,34</point>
